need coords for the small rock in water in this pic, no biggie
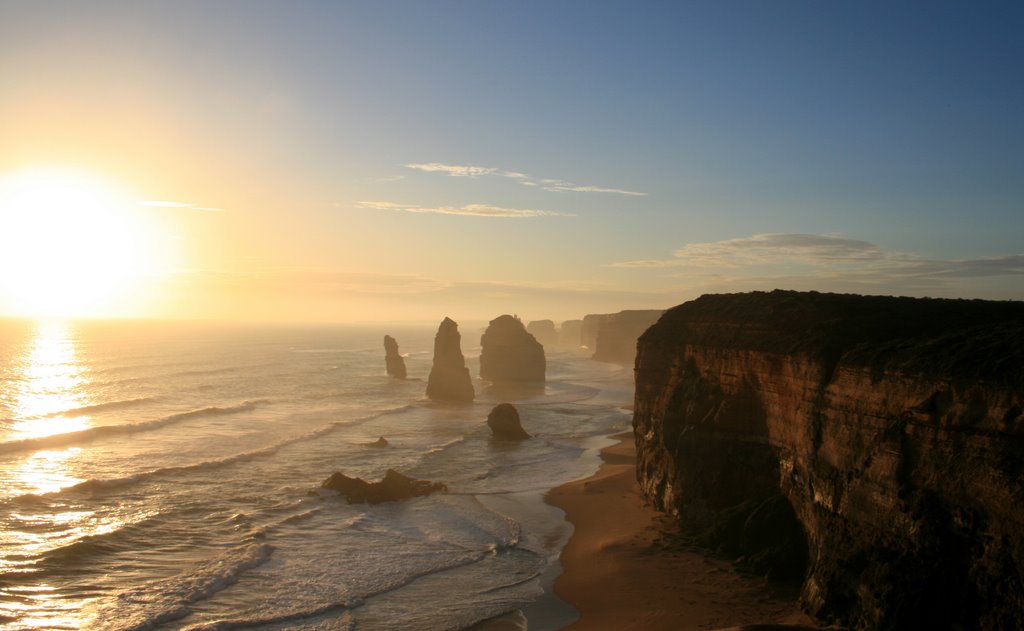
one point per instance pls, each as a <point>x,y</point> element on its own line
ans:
<point>504,422</point>
<point>394,486</point>
<point>380,442</point>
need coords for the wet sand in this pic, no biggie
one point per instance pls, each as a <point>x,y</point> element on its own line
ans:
<point>626,569</point>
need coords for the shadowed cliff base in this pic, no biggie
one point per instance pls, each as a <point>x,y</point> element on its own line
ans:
<point>892,428</point>
<point>626,567</point>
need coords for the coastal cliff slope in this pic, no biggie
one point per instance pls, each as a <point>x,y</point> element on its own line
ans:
<point>889,432</point>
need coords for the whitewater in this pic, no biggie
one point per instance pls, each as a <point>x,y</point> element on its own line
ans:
<point>159,475</point>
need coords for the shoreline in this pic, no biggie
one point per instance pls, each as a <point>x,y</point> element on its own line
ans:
<point>619,571</point>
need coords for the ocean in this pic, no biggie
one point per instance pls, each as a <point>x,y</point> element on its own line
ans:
<point>159,475</point>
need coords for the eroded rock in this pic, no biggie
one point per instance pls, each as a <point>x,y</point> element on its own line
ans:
<point>509,354</point>
<point>449,380</point>
<point>393,360</point>
<point>504,422</point>
<point>394,486</point>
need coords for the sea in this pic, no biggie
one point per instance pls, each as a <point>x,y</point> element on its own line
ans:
<point>165,475</point>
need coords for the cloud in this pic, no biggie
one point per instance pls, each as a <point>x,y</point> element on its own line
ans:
<point>469,210</point>
<point>181,205</point>
<point>453,170</point>
<point>593,189</point>
<point>548,184</point>
<point>833,263</point>
<point>766,249</point>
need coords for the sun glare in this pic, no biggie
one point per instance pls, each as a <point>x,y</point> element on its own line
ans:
<point>71,244</point>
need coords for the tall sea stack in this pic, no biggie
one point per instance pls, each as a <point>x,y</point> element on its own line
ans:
<point>544,332</point>
<point>509,354</point>
<point>881,438</point>
<point>449,380</point>
<point>392,359</point>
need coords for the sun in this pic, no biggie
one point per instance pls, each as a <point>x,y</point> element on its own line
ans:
<point>72,244</point>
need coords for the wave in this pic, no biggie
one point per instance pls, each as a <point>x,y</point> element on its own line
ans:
<point>99,407</point>
<point>100,484</point>
<point>92,433</point>
<point>173,595</point>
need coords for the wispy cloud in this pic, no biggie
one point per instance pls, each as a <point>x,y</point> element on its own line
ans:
<point>469,210</point>
<point>830,263</point>
<point>548,184</point>
<point>181,205</point>
<point>454,170</point>
<point>766,249</point>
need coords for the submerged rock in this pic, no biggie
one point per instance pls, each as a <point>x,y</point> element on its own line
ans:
<point>504,422</point>
<point>449,379</point>
<point>393,487</point>
<point>392,359</point>
<point>509,354</point>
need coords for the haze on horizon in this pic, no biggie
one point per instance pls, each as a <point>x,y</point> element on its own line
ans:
<point>403,161</point>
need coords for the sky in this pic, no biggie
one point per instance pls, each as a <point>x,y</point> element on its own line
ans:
<point>370,161</point>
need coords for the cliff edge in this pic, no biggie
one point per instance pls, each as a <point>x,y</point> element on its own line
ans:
<point>872,445</point>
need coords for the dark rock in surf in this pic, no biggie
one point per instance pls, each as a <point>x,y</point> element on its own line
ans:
<point>392,359</point>
<point>393,487</point>
<point>449,380</point>
<point>379,443</point>
<point>504,422</point>
<point>509,354</point>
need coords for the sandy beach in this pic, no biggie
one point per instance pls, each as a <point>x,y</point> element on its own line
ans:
<point>625,570</point>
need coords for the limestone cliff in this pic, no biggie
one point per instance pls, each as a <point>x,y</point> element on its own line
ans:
<point>449,379</point>
<point>509,354</point>
<point>569,334</point>
<point>544,332</point>
<point>891,429</point>
<point>617,334</point>
<point>393,361</point>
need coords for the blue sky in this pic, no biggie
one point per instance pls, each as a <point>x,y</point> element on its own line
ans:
<point>407,157</point>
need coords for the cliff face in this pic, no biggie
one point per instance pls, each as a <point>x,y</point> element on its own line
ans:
<point>890,430</point>
<point>617,334</point>
<point>544,332</point>
<point>509,354</point>
<point>569,334</point>
<point>449,379</point>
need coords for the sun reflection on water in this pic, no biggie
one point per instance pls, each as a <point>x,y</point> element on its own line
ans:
<point>52,382</point>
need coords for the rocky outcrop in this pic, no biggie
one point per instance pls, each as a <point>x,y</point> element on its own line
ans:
<point>588,330</point>
<point>889,430</point>
<point>544,332</point>
<point>504,422</point>
<point>380,443</point>
<point>569,334</point>
<point>393,487</point>
<point>449,380</point>
<point>615,334</point>
<point>509,354</point>
<point>393,359</point>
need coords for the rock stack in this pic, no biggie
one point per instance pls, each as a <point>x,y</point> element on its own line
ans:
<point>504,422</point>
<point>510,354</point>
<point>544,332</point>
<point>449,380</point>
<point>392,359</point>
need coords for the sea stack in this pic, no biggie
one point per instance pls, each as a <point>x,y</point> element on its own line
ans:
<point>504,422</point>
<point>392,359</point>
<point>509,354</point>
<point>544,332</point>
<point>449,380</point>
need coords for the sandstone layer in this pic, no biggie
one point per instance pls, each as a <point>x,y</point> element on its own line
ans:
<point>881,438</point>
<point>393,360</point>
<point>449,380</point>
<point>509,354</point>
